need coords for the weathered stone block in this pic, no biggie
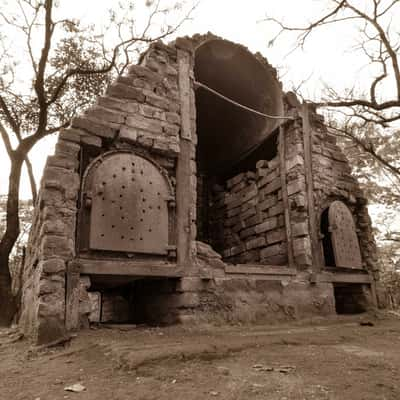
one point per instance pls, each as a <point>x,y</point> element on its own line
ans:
<point>256,242</point>
<point>48,286</point>
<point>140,70</point>
<point>129,133</point>
<point>275,210</point>
<point>296,186</point>
<point>269,224</point>
<point>276,236</point>
<point>300,229</point>
<point>106,114</point>
<point>190,285</point>
<point>301,245</point>
<point>273,250</point>
<point>63,162</point>
<point>183,300</point>
<point>91,140</point>
<point>122,91</point>
<point>158,101</point>
<point>60,246</point>
<point>145,124</point>
<point>127,106</point>
<point>53,266</point>
<point>294,162</point>
<point>96,127</point>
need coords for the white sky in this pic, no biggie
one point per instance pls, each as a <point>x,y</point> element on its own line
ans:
<point>324,59</point>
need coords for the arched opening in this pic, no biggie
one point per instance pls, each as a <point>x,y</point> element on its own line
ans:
<point>327,240</point>
<point>231,140</point>
<point>226,133</point>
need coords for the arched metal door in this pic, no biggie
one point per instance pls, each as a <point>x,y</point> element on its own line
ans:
<point>345,244</point>
<point>129,209</point>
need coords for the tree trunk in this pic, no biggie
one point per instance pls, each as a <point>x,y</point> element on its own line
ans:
<point>31,179</point>
<point>8,306</point>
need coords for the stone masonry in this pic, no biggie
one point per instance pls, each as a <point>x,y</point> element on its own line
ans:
<point>263,259</point>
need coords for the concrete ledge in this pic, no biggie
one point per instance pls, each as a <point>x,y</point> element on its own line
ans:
<point>331,277</point>
<point>271,271</point>
<point>129,268</point>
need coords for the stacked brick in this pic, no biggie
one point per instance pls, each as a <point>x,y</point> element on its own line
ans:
<point>141,108</point>
<point>248,217</point>
<point>51,242</point>
<point>333,180</point>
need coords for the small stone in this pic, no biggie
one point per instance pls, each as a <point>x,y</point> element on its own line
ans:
<point>76,388</point>
<point>214,393</point>
<point>223,370</point>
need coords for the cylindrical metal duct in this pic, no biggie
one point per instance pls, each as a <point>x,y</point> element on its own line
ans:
<point>226,132</point>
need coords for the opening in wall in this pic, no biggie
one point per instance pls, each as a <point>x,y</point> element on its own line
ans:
<point>350,298</point>
<point>141,301</point>
<point>327,240</point>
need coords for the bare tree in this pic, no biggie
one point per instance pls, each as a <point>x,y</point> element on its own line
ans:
<point>370,118</point>
<point>68,65</point>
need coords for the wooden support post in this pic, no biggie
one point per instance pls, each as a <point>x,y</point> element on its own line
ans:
<point>312,216</point>
<point>185,192</point>
<point>72,296</point>
<point>285,197</point>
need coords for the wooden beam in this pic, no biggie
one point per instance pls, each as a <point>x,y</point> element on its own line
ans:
<point>317,261</point>
<point>129,268</point>
<point>185,198</point>
<point>285,197</point>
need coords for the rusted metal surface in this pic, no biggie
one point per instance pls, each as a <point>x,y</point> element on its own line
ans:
<point>129,206</point>
<point>344,237</point>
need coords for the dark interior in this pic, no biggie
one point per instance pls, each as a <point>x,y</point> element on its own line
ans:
<point>227,133</point>
<point>327,240</point>
<point>141,301</point>
<point>350,298</point>
<point>230,139</point>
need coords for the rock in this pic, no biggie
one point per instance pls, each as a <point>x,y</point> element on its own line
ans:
<point>263,368</point>
<point>366,323</point>
<point>223,370</point>
<point>76,388</point>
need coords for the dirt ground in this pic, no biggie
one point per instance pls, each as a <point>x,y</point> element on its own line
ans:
<point>356,357</point>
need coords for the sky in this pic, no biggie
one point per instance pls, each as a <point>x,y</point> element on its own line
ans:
<point>326,58</point>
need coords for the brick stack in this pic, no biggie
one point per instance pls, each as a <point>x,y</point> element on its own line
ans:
<point>248,217</point>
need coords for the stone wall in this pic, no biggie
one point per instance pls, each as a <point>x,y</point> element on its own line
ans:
<point>141,112</point>
<point>261,216</point>
<point>247,221</point>
<point>333,181</point>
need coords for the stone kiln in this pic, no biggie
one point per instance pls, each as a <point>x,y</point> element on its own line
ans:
<point>170,202</point>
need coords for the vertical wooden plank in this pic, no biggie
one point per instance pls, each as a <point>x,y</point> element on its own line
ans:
<point>184,189</point>
<point>72,296</point>
<point>285,197</point>
<point>184,93</point>
<point>312,216</point>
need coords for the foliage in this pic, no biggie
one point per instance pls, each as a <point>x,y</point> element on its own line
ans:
<point>368,116</point>
<point>17,255</point>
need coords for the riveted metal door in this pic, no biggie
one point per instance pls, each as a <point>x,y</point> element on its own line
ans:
<point>129,210</point>
<point>345,244</point>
